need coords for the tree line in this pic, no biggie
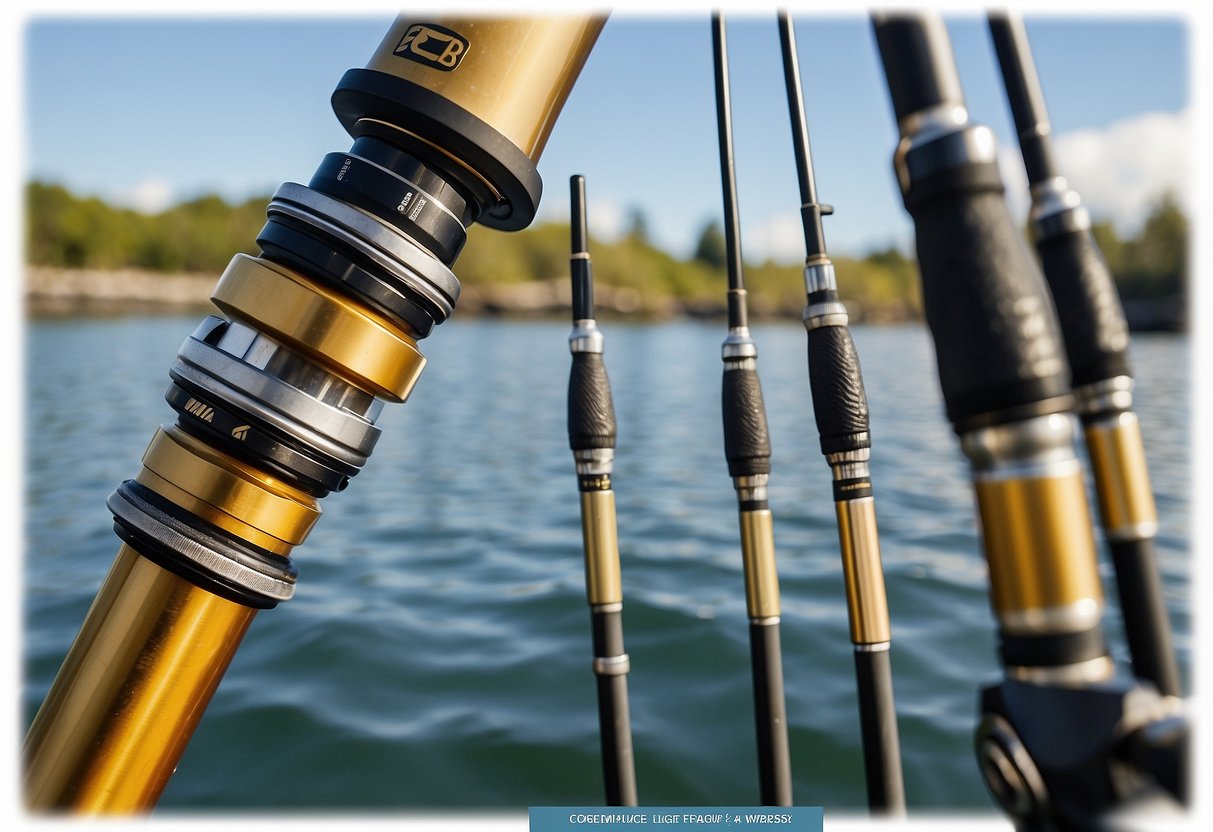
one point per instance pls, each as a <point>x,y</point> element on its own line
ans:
<point>73,232</point>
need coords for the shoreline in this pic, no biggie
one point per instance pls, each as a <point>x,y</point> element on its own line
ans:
<point>52,292</point>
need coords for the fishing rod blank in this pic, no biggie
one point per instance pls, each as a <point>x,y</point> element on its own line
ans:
<point>747,448</point>
<point>1052,741</point>
<point>592,437</point>
<point>1097,345</point>
<point>840,407</point>
<point>276,402</point>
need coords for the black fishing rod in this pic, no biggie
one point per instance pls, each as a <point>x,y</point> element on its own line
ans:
<point>747,449</point>
<point>592,438</point>
<point>1059,732</point>
<point>840,407</point>
<point>1097,345</point>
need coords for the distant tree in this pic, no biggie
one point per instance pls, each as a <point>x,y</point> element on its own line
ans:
<point>637,227</point>
<point>711,249</point>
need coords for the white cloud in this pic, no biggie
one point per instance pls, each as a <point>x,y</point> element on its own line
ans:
<point>150,196</point>
<point>607,219</point>
<point>1123,169</point>
<point>779,238</point>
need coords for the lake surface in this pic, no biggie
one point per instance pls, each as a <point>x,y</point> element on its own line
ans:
<point>437,651</point>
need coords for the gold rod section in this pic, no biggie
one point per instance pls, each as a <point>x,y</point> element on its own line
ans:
<point>328,327</point>
<point>512,73</point>
<point>227,492</point>
<point>862,571</point>
<point>1041,552</point>
<point>599,532</point>
<point>130,692</point>
<point>1122,480</point>
<point>758,560</point>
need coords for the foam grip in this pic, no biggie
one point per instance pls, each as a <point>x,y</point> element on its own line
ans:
<point>840,405</point>
<point>993,322</point>
<point>1092,320</point>
<point>747,443</point>
<point>591,413</point>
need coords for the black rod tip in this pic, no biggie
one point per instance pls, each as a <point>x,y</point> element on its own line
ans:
<point>577,226</point>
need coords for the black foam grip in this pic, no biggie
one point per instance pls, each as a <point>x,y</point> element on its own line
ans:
<point>993,322</point>
<point>1092,320</point>
<point>591,413</point>
<point>840,405</point>
<point>747,443</point>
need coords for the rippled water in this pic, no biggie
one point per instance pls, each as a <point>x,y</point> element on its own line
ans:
<point>437,650</point>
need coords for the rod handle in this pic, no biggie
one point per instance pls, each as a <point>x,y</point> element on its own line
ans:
<point>747,442</point>
<point>840,404</point>
<point>591,420</point>
<point>994,325</point>
<point>1088,306</point>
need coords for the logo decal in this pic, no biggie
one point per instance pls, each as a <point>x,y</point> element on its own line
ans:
<point>433,45</point>
<point>203,411</point>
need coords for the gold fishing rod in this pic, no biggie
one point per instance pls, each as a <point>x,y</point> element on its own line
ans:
<point>591,425</point>
<point>276,398</point>
<point>747,448</point>
<point>1062,742</point>
<point>1097,345</point>
<point>840,408</point>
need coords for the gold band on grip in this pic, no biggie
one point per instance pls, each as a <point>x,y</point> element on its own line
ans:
<point>867,605</point>
<point>758,559</point>
<point>603,584</point>
<point>1041,552</point>
<point>1122,480</point>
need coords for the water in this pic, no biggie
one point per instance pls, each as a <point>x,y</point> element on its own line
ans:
<point>437,651</point>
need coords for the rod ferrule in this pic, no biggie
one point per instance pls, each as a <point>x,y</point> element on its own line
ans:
<point>827,313</point>
<point>612,665</point>
<point>594,461</point>
<point>737,346</point>
<point>1106,396</point>
<point>752,488</point>
<point>1056,210</point>
<point>586,337</point>
<point>941,145</point>
<point>819,277</point>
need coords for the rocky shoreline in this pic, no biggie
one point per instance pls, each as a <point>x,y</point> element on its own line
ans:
<point>54,291</point>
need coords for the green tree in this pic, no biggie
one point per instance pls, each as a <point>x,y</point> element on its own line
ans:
<point>710,249</point>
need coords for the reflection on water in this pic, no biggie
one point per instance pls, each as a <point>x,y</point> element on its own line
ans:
<point>437,651</point>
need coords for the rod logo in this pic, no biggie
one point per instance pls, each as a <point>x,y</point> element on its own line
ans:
<point>432,45</point>
<point>240,431</point>
<point>203,411</point>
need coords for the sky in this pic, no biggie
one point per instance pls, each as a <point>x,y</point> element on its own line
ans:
<point>148,111</point>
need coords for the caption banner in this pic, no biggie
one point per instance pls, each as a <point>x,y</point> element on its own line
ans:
<point>676,818</point>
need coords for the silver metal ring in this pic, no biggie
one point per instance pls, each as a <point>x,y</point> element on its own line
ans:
<point>1042,446</point>
<point>413,265</point>
<point>340,433</point>
<point>612,665</point>
<point>210,553</point>
<point>878,647</point>
<point>586,337</point>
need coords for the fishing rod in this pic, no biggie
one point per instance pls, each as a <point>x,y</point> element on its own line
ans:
<point>1059,731</point>
<point>276,398</point>
<point>747,448</point>
<point>840,408</point>
<point>592,439</point>
<point>1097,345</point>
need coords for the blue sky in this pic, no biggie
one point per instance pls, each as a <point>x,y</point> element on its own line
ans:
<point>149,111</point>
